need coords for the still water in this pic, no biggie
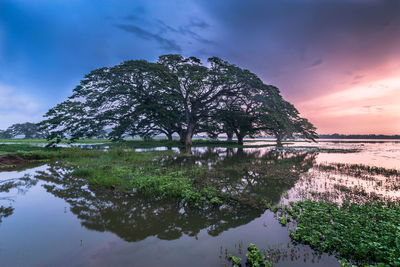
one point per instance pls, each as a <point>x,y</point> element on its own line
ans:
<point>49,218</point>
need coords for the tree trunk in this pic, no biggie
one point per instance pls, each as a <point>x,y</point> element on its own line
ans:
<point>240,139</point>
<point>229,152</point>
<point>185,150</point>
<point>169,136</point>
<point>181,137</point>
<point>189,134</point>
<point>229,136</point>
<point>279,141</point>
<point>189,150</point>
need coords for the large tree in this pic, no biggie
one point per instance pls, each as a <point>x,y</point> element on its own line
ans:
<point>116,98</point>
<point>202,90</point>
<point>281,119</point>
<point>174,95</point>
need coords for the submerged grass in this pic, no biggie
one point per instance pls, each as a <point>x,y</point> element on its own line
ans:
<point>359,169</point>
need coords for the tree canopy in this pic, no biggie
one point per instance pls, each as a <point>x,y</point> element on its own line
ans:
<point>28,130</point>
<point>175,95</point>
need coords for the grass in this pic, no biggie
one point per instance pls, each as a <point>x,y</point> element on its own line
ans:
<point>16,148</point>
<point>362,234</point>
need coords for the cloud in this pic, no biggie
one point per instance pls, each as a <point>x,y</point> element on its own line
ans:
<point>165,44</point>
<point>131,17</point>
<point>358,77</point>
<point>316,63</point>
<point>16,107</point>
<point>372,107</point>
<point>361,99</point>
<point>196,22</point>
<point>186,30</point>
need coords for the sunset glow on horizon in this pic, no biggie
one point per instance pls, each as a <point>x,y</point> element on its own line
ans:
<point>369,108</point>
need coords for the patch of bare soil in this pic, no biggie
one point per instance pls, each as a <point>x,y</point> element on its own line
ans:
<point>11,160</point>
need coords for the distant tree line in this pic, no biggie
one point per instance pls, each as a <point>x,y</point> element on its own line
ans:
<point>28,130</point>
<point>358,136</point>
<point>175,95</point>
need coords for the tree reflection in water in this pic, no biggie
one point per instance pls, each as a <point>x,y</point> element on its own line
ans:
<point>249,177</point>
<point>21,185</point>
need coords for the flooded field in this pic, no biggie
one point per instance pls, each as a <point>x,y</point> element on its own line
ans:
<point>50,217</point>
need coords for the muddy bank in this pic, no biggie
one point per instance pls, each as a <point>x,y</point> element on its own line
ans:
<point>11,160</point>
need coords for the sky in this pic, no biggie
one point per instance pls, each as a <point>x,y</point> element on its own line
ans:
<point>337,61</point>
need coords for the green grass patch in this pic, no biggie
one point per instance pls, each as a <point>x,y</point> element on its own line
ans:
<point>16,148</point>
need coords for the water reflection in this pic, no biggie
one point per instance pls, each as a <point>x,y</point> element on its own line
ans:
<point>249,177</point>
<point>18,185</point>
<point>134,218</point>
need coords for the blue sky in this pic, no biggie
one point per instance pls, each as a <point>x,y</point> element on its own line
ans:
<point>313,50</point>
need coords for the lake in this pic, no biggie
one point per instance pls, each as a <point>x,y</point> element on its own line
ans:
<point>50,218</point>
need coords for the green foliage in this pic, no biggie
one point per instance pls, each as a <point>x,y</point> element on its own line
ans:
<point>362,233</point>
<point>284,220</point>
<point>255,257</point>
<point>235,260</point>
<point>173,185</point>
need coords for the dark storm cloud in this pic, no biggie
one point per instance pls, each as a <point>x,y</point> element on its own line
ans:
<point>165,44</point>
